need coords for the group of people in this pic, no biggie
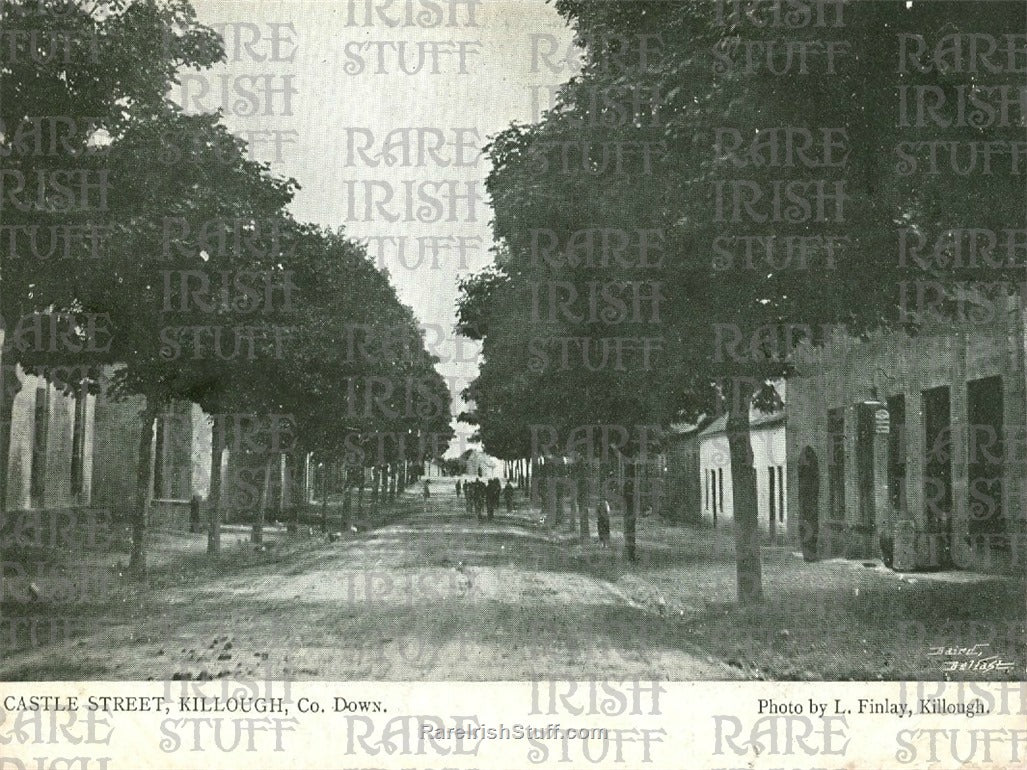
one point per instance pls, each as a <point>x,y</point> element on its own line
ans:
<point>482,498</point>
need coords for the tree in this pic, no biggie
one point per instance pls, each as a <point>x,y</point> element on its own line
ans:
<point>209,292</point>
<point>73,75</point>
<point>354,375</point>
<point>193,276</point>
<point>673,78</point>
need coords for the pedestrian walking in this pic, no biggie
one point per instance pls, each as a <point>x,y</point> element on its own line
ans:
<point>492,494</point>
<point>479,498</point>
<point>427,494</point>
<point>603,523</point>
<point>508,495</point>
<point>458,487</point>
<point>194,514</point>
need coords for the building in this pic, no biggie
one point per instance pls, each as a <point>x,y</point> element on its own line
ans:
<point>683,489</point>
<point>70,449</point>
<point>478,463</point>
<point>50,464</point>
<point>767,437</point>
<point>912,449</point>
<point>280,482</point>
<point>180,459</point>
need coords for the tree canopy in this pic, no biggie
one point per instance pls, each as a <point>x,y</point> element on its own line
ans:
<point>181,264</point>
<point>725,181</point>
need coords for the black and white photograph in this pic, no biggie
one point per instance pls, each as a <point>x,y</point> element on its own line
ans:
<point>654,366</point>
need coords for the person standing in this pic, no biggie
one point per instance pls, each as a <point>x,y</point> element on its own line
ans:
<point>508,495</point>
<point>492,493</point>
<point>479,498</point>
<point>194,514</point>
<point>458,487</point>
<point>603,522</point>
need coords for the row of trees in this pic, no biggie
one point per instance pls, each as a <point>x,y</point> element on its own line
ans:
<point>667,165</point>
<point>168,256</point>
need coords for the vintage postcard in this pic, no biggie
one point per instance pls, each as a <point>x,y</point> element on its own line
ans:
<point>513,383</point>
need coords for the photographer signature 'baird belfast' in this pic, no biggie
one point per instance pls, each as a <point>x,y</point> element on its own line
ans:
<point>969,659</point>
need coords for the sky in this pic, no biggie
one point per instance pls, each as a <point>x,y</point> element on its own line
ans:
<point>316,87</point>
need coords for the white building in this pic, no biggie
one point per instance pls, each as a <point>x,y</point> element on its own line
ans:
<point>51,450</point>
<point>769,446</point>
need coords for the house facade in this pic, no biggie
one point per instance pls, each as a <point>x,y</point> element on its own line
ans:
<point>683,490</point>
<point>180,459</point>
<point>912,449</point>
<point>767,437</point>
<point>50,465</point>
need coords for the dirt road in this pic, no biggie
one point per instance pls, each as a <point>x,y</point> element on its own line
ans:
<point>435,595</point>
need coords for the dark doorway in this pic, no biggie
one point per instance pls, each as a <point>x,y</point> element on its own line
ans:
<point>809,503</point>
<point>836,464</point>
<point>40,430</point>
<point>897,455</point>
<point>938,470</point>
<point>985,463</point>
<point>865,469</point>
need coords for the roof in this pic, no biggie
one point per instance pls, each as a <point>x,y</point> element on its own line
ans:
<point>757,420</point>
<point>685,429</point>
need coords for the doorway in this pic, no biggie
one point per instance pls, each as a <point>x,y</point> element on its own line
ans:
<point>938,472</point>
<point>985,464</point>
<point>809,503</point>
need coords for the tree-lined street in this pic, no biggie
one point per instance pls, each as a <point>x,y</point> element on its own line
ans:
<point>438,595</point>
<point>224,410</point>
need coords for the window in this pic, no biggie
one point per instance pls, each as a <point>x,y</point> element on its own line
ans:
<point>158,457</point>
<point>720,487</point>
<point>78,440</point>
<point>41,424</point>
<point>780,493</point>
<point>772,492</point>
<point>897,452</point>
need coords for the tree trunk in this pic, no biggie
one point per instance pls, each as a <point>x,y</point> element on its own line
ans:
<point>306,479</point>
<point>393,478</point>
<point>584,501</point>
<point>328,468</point>
<point>533,491</point>
<point>137,558</point>
<point>347,500</point>
<point>376,485</point>
<point>265,492</point>
<point>9,387</point>
<point>570,486</point>
<point>285,504</point>
<point>746,517</point>
<point>217,450</point>
<point>557,480</point>
<point>630,511</point>
<point>360,492</point>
